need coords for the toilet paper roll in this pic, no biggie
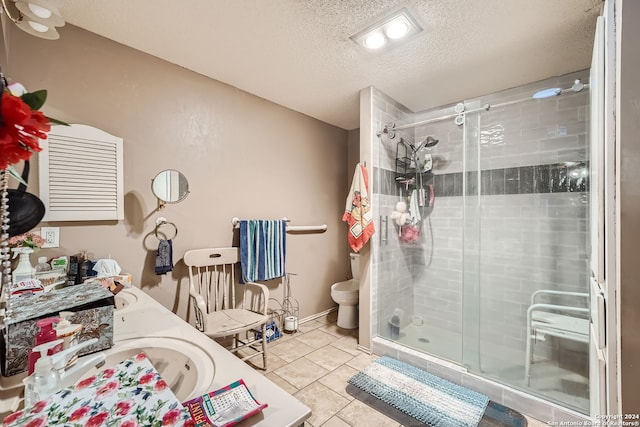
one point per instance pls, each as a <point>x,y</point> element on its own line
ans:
<point>290,323</point>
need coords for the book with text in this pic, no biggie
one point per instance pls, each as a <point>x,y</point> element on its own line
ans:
<point>224,407</point>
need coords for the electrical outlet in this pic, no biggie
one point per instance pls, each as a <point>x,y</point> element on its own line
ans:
<point>51,235</point>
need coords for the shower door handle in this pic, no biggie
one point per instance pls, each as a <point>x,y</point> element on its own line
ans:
<point>384,224</point>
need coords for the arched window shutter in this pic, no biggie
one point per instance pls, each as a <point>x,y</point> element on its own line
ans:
<point>81,174</point>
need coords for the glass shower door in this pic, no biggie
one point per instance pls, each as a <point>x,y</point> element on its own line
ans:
<point>525,244</point>
<point>420,271</point>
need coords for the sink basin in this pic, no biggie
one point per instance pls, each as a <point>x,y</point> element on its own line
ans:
<point>184,366</point>
<point>124,299</point>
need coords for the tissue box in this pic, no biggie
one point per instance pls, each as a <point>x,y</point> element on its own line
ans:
<point>93,307</point>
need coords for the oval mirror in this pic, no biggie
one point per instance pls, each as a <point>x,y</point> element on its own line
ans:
<point>170,186</point>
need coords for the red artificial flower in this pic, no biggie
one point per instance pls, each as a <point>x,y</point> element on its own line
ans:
<point>79,413</point>
<point>20,130</point>
<point>171,417</point>
<point>129,423</point>
<point>140,357</point>
<point>97,420</point>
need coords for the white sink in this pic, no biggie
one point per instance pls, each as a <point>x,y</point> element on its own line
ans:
<point>187,369</point>
<point>125,299</point>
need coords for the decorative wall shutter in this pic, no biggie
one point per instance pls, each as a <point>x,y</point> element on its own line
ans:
<point>81,174</point>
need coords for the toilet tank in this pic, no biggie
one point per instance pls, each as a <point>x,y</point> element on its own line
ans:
<point>355,265</point>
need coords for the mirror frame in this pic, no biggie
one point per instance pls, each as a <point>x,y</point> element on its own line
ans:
<point>181,179</point>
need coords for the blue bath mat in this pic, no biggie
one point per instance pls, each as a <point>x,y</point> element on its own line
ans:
<point>423,396</point>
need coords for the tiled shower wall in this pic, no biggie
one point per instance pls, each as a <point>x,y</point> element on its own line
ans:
<point>527,230</point>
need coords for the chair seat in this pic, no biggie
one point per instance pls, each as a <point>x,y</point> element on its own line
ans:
<point>558,325</point>
<point>229,322</point>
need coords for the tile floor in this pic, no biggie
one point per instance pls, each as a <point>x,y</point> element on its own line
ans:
<point>314,365</point>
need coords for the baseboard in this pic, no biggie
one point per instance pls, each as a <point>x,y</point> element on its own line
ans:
<point>317,315</point>
<point>364,349</point>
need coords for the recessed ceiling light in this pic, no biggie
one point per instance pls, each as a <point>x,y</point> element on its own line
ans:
<point>397,28</point>
<point>375,40</point>
<point>389,30</point>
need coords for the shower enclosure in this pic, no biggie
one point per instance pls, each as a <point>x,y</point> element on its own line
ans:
<point>471,226</point>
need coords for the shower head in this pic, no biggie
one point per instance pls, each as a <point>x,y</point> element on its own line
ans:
<point>555,91</point>
<point>430,141</point>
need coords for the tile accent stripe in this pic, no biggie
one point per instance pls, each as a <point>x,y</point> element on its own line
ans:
<point>567,177</point>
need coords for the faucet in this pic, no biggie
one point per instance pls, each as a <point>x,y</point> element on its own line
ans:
<point>70,374</point>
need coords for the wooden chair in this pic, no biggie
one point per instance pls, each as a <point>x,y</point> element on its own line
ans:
<point>223,306</point>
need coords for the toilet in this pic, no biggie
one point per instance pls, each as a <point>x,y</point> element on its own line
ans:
<point>346,295</point>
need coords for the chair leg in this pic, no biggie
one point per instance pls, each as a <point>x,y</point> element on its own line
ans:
<point>264,346</point>
<point>529,357</point>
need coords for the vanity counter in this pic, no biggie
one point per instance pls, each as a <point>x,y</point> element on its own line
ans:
<point>140,322</point>
<point>146,318</point>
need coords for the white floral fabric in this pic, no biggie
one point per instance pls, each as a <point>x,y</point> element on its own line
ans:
<point>130,394</point>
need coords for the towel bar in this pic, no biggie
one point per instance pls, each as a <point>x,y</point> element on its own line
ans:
<point>236,222</point>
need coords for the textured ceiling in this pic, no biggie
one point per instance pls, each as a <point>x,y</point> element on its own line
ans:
<point>297,53</point>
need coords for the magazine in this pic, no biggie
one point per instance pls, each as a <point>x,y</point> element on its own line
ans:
<point>224,407</point>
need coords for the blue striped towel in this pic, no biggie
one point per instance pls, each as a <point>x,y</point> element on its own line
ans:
<point>262,249</point>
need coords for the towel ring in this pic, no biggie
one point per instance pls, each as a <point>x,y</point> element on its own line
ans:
<point>162,222</point>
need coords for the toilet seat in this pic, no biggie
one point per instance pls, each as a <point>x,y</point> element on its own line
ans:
<point>346,286</point>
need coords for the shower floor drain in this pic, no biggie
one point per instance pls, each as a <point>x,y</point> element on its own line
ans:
<point>424,340</point>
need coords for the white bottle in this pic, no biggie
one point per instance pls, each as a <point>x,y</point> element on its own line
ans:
<point>24,269</point>
<point>45,379</point>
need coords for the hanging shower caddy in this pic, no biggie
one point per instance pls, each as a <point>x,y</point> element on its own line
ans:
<point>410,173</point>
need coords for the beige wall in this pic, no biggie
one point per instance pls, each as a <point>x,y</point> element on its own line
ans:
<point>243,156</point>
<point>628,153</point>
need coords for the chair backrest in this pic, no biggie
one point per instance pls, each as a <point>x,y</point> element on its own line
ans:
<point>212,276</point>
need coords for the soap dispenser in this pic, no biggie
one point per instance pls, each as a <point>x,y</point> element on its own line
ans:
<point>45,379</point>
<point>45,335</point>
<point>84,268</point>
